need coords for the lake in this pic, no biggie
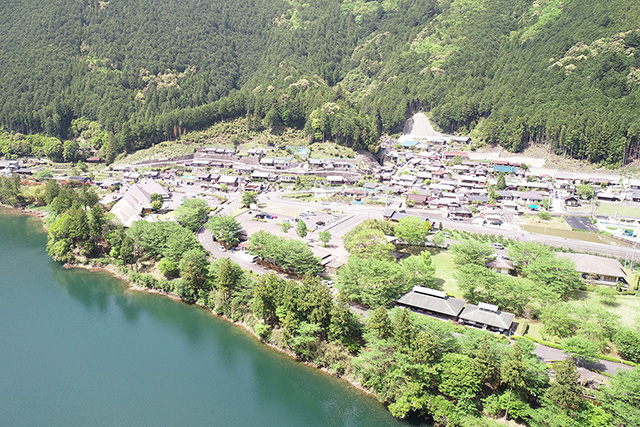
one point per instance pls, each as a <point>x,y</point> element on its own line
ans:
<point>77,348</point>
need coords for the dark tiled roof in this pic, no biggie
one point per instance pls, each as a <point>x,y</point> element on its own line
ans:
<point>497,319</point>
<point>448,305</point>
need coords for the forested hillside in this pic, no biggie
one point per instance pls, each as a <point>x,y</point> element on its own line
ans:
<point>513,72</point>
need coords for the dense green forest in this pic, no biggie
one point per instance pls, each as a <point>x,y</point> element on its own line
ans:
<point>513,72</point>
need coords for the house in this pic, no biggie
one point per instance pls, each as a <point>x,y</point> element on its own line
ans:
<point>487,316</point>
<point>564,179</point>
<point>355,192</point>
<point>24,171</point>
<point>530,196</point>
<point>432,302</point>
<point>473,179</point>
<point>571,201</point>
<point>242,169</point>
<point>216,164</point>
<point>106,183</point>
<point>261,176</point>
<point>500,265</point>
<point>448,155</point>
<point>505,195</point>
<point>335,180</point>
<point>409,143</point>
<point>316,164</point>
<point>228,180</point>
<point>370,186</point>
<point>417,199</point>
<point>256,152</point>
<point>462,139</point>
<point>136,201</point>
<point>437,140</point>
<point>204,176</point>
<point>344,164</point>
<point>459,212</point>
<point>597,269</point>
<point>634,184</point>
<point>509,206</point>
<point>494,219</point>
<point>281,163</point>
<point>200,163</point>
<point>480,199</point>
<point>406,180</point>
<point>603,182</point>
<point>79,180</point>
<point>131,176</point>
<point>608,196</point>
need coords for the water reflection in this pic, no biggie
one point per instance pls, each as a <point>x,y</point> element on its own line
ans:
<point>98,351</point>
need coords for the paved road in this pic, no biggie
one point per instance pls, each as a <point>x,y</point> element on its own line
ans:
<point>549,354</point>
<point>204,237</point>
<point>509,230</point>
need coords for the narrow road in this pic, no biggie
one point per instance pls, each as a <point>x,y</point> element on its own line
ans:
<point>550,354</point>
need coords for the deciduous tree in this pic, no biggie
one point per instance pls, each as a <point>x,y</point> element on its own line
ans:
<point>225,229</point>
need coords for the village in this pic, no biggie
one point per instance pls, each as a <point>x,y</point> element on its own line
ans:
<point>435,178</point>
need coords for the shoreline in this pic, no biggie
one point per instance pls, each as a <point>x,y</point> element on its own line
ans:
<point>112,270</point>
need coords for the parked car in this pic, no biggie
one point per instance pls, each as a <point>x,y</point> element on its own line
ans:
<point>497,246</point>
<point>320,224</point>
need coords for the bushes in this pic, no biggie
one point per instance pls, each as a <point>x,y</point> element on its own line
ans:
<point>627,341</point>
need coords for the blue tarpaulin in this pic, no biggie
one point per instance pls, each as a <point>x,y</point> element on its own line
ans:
<point>409,143</point>
<point>505,169</point>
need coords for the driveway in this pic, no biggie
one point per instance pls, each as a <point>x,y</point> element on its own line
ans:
<point>204,237</point>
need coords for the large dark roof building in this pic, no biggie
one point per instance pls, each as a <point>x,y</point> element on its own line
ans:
<point>433,302</point>
<point>487,316</point>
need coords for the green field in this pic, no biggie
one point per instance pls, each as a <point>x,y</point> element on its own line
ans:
<point>618,209</point>
<point>445,269</point>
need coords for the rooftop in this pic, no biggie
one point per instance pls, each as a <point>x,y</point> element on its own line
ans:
<point>593,264</point>
<point>432,300</point>
<point>487,314</point>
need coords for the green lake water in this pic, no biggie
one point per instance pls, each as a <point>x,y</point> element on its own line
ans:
<point>79,349</point>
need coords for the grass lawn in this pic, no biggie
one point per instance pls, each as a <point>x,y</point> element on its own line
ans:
<point>167,216</point>
<point>554,222</point>
<point>535,328</point>
<point>618,209</point>
<point>444,272</point>
<point>627,307</point>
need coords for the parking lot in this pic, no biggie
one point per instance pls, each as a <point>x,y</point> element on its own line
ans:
<point>580,223</point>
